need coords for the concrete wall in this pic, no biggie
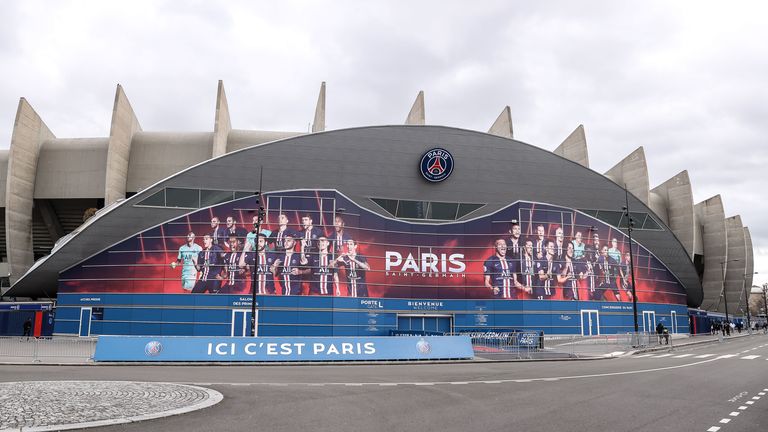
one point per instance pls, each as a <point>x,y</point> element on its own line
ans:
<point>632,171</point>
<point>711,215</point>
<point>157,155</point>
<point>735,271</point>
<point>575,147</point>
<point>72,168</point>
<point>3,174</point>
<point>677,197</point>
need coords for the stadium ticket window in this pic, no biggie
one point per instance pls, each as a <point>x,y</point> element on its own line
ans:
<point>424,324</point>
<point>674,322</point>
<point>241,323</point>
<point>649,321</point>
<point>590,322</point>
<point>85,322</point>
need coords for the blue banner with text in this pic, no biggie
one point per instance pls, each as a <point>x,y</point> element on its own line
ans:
<point>277,349</point>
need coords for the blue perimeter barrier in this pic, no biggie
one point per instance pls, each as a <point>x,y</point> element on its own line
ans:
<point>276,349</point>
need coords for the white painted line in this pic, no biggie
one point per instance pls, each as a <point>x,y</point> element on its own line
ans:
<point>426,384</point>
<point>713,429</point>
<point>725,420</point>
<point>755,397</point>
<point>316,384</point>
<point>492,382</point>
<point>750,357</point>
<point>734,413</point>
<point>459,382</point>
<point>550,379</point>
<point>615,353</point>
<point>727,356</point>
<point>387,384</point>
<point>682,356</point>
<point>523,381</point>
<point>663,355</point>
<point>749,402</point>
<point>353,384</point>
<point>644,355</point>
<point>743,407</point>
<point>765,390</point>
<point>761,393</point>
<point>704,356</point>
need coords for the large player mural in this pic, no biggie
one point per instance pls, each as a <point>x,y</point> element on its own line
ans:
<point>321,243</point>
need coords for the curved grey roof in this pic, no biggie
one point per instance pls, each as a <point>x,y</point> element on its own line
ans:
<point>378,161</point>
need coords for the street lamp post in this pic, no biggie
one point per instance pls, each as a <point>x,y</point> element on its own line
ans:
<point>630,223</point>
<point>725,296</point>
<point>765,304</point>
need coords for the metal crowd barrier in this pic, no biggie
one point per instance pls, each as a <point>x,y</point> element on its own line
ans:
<point>22,348</point>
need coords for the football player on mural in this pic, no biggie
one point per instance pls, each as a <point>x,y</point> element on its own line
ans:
<point>288,266</point>
<point>323,277</point>
<point>210,263</point>
<point>499,272</point>
<point>187,257</point>
<point>356,268</point>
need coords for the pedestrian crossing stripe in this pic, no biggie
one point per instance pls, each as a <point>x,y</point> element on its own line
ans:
<point>750,357</point>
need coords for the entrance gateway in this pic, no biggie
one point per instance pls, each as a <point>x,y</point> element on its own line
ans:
<point>241,323</point>
<point>425,323</point>
<point>590,322</point>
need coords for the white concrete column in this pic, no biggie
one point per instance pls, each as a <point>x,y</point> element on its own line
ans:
<point>417,116</point>
<point>632,171</point>
<point>677,200</point>
<point>29,133</point>
<point>124,126</point>
<point>503,125</point>
<point>318,124</point>
<point>574,147</point>
<point>221,124</point>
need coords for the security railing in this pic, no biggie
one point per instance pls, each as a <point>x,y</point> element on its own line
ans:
<point>67,350</point>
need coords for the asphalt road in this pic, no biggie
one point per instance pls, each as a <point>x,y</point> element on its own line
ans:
<point>682,391</point>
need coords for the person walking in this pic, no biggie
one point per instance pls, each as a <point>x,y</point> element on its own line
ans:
<point>660,331</point>
<point>27,328</point>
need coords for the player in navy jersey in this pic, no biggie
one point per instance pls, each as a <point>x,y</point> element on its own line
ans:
<point>567,277</point>
<point>356,266</point>
<point>547,270</point>
<point>209,264</point>
<point>540,243</point>
<point>309,234</point>
<point>588,279</point>
<point>340,237</point>
<point>560,246</point>
<point>288,267</point>
<point>235,275</point>
<point>605,277</point>
<point>218,233</point>
<point>277,238</point>
<point>233,229</point>
<point>322,276</point>
<point>499,272</point>
<point>515,244</point>
<point>259,265</point>
<point>592,250</point>
<point>626,275</point>
<point>528,275</point>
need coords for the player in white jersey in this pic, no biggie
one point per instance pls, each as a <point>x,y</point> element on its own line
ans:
<point>187,257</point>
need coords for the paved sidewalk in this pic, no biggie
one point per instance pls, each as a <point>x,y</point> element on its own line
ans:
<point>62,405</point>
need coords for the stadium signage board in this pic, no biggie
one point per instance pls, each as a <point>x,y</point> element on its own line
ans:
<point>280,349</point>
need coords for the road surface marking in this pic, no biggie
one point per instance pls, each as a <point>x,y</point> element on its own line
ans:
<point>755,397</point>
<point>713,429</point>
<point>663,355</point>
<point>704,356</point>
<point>644,355</point>
<point>743,407</point>
<point>725,420</point>
<point>727,356</point>
<point>749,402</point>
<point>615,353</point>
<point>734,413</point>
<point>761,393</point>
<point>682,356</point>
<point>750,357</point>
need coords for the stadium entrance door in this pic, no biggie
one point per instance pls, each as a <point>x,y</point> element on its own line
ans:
<point>241,323</point>
<point>424,324</point>
<point>85,321</point>
<point>649,321</point>
<point>590,322</point>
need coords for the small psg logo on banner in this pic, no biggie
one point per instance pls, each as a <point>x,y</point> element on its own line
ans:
<point>436,165</point>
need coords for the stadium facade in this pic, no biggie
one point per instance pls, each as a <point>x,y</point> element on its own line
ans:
<point>367,231</point>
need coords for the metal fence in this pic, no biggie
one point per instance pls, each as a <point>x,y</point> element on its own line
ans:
<point>65,350</point>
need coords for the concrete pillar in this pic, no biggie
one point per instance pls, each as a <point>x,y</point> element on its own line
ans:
<point>318,124</point>
<point>711,215</point>
<point>750,259</point>
<point>632,171</point>
<point>221,124</point>
<point>29,133</point>
<point>503,125</point>
<point>417,116</point>
<point>677,199</point>
<point>574,147</point>
<point>124,126</point>
<point>735,270</point>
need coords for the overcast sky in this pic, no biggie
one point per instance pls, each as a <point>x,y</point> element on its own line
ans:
<point>686,80</point>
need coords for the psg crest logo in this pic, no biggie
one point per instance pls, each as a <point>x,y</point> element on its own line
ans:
<point>153,348</point>
<point>436,165</point>
<point>423,347</point>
